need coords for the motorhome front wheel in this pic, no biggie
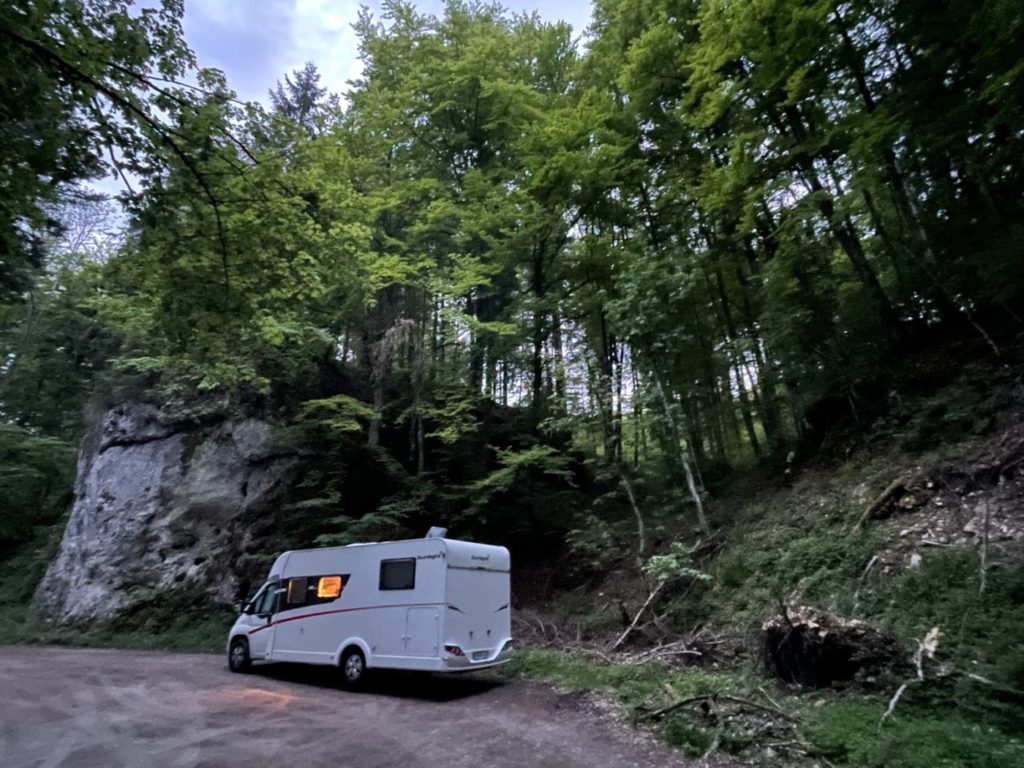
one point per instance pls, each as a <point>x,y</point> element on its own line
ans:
<point>238,656</point>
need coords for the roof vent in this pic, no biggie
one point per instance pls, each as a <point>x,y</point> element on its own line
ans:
<point>436,532</point>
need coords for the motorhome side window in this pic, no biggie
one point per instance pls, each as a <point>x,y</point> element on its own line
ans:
<point>312,590</point>
<point>398,574</point>
<point>296,592</point>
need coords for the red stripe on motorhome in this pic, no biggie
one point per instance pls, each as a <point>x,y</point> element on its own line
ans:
<point>342,610</point>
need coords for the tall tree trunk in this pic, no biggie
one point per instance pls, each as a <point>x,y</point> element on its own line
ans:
<point>538,403</point>
<point>698,503</point>
<point>767,376</point>
<point>733,339</point>
<point>617,418</point>
<point>559,360</point>
<point>606,389</point>
<point>841,228</point>
<point>694,433</point>
<point>639,436</point>
<point>902,197</point>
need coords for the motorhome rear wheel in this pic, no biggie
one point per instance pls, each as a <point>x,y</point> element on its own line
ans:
<point>353,667</point>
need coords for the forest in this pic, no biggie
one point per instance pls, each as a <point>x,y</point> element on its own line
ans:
<point>558,289</point>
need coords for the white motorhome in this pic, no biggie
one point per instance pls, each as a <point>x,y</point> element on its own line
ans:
<point>430,604</point>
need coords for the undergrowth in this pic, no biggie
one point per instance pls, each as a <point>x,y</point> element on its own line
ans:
<point>849,733</point>
<point>634,686</point>
<point>845,728</point>
<point>801,545</point>
<point>174,620</point>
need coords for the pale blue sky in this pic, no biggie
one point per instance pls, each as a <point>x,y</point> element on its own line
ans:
<point>255,42</point>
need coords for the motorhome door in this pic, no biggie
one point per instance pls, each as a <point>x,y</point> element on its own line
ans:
<point>260,613</point>
<point>422,632</point>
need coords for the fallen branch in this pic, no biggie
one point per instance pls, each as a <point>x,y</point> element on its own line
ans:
<point>674,706</point>
<point>870,565</point>
<point>892,702</point>
<point>764,693</point>
<point>762,707</point>
<point>678,648</point>
<point>926,648</point>
<point>896,488</point>
<point>715,698</point>
<point>636,619</point>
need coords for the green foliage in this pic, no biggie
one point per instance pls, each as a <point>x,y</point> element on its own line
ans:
<point>454,412</point>
<point>691,738</point>
<point>675,249</point>
<point>335,417</point>
<point>785,562</point>
<point>73,87</point>
<point>517,466</point>
<point>849,733</point>
<point>593,544</point>
<point>374,526</point>
<point>978,626</point>
<point>58,348</point>
<point>676,563</point>
<point>24,564</point>
<point>173,620</point>
<point>36,475</point>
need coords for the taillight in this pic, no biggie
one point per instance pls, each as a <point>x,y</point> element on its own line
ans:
<point>454,650</point>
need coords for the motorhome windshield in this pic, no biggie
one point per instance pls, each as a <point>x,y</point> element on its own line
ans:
<point>263,602</point>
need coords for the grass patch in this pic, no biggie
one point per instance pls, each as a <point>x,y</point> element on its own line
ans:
<point>634,684</point>
<point>171,622</point>
<point>636,687</point>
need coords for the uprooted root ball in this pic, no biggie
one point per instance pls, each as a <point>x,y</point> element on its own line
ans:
<point>813,648</point>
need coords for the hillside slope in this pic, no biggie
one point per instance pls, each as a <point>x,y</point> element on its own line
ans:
<point>904,537</point>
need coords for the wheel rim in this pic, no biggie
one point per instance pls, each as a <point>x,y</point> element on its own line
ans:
<point>237,656</point>
<point>354,667</point>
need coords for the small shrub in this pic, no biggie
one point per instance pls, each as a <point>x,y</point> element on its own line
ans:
<point>682,732</point>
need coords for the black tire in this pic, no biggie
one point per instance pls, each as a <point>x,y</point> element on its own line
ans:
<point>353,668</point>
<point>238,656</point>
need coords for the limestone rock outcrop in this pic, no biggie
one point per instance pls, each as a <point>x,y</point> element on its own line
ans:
<point>162,504</point>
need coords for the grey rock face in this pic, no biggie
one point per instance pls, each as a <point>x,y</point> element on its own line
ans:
<point>161,505</point>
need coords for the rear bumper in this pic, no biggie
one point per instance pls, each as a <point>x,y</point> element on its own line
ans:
<point>466,663</point>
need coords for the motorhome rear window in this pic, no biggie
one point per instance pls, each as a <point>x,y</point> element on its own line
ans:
<point>398,574</point>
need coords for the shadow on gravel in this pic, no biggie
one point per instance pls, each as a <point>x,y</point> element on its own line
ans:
<point>405,685</point>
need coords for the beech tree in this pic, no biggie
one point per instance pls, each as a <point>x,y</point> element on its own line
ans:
<point>501,253</point>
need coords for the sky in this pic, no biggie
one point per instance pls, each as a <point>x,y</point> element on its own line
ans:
<point>256,42</point>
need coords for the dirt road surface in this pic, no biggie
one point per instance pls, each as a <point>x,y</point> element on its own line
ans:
<point>107,708</point>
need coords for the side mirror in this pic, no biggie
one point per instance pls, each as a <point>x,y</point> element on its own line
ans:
<point>238,609</point>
